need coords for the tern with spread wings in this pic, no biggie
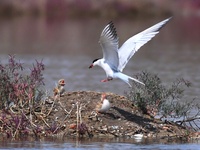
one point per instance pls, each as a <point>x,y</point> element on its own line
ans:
<point>115,59</point>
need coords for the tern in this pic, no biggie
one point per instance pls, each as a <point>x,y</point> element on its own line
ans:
<point>115,59</point>
<point>104,105</point>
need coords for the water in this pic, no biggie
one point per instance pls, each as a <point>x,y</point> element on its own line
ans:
<point>97,144</point>
<point>68,47</point>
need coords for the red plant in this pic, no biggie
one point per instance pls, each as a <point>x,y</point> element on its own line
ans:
<point>19,92</point>
<point>16,86</point>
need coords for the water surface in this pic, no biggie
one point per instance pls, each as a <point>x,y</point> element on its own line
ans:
<point>99,144</point>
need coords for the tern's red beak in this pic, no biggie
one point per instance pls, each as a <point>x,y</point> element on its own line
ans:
<point>91,66</point>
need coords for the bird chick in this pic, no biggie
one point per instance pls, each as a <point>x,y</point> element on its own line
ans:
<point>103,105</point>
<point>59,89</point>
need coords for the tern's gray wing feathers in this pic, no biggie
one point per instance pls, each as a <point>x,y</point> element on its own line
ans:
<point>132,45</point>
<point>109,44</point>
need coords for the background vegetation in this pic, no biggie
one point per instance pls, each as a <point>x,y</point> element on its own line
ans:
<point>103,8</point>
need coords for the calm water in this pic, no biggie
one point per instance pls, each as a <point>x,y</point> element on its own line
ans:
<point>98,144</point>
<point>67,48</point>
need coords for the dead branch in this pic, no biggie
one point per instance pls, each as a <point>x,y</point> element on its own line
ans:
<point>187,120</point>
<point>77,118</point>
<point>63,121</point>
<point>63,107</point>
<point>17,128</point>
<point>51,107</point>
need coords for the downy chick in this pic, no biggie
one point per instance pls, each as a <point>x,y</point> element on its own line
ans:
<point>59,89</point>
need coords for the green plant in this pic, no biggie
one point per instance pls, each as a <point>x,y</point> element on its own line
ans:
<point>157,99</point>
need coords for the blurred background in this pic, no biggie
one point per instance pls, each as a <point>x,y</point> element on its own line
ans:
<point>95,8</point>
<point>65,33</point>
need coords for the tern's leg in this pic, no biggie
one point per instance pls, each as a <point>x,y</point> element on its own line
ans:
<point>108,79</point>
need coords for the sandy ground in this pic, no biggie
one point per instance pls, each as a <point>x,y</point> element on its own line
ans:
<point>74,114</point>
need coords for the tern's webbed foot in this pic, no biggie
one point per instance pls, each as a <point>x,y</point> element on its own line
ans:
<point>104,80</point>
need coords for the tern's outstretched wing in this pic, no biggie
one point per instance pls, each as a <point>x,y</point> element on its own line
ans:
<point>109,43</point>
<point>132,45</point>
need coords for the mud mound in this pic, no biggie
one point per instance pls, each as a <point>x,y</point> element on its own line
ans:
<point>73,114</point>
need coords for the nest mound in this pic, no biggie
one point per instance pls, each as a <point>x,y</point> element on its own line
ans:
<point>73,114</point>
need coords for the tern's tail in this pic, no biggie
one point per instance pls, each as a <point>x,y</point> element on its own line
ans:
<point>126,78</point>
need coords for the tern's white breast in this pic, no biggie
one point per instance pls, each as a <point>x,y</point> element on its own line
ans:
<point>107,69</point>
